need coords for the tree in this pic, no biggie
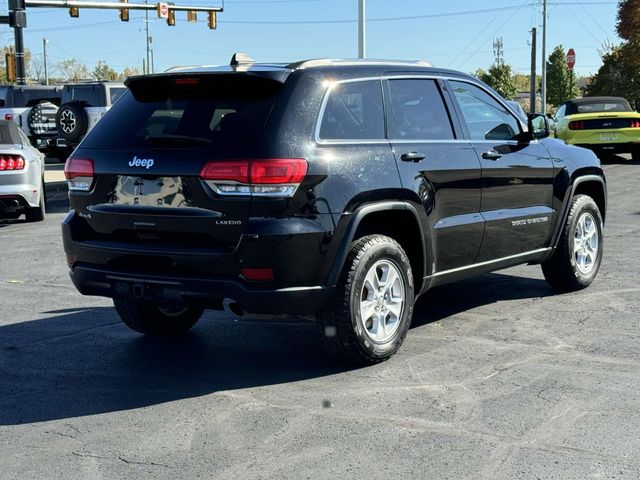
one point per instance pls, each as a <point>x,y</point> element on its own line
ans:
<point>562,85</point>
<point>130,72</point>
<point>103,71</point>
<point>36,69</point>
<point>628,25</point>
<point>72,69</point>
<point>500,78</point>
<point>619,74</point>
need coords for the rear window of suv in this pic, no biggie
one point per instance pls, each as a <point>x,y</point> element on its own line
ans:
<point>220,111</point>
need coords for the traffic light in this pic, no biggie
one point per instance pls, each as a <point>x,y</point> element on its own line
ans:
<point>171,18</point>
<point>213,20</point>
<point>10,59</point>
<point>74,12</point>
<point>124,12</point>
<point>192,16</point>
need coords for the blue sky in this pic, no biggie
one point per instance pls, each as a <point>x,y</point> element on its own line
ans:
<point>445,35</point>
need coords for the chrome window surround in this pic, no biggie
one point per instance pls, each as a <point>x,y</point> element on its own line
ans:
<point>383,141</point>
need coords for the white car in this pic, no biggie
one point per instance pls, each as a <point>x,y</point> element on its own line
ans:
<point>21,175</point>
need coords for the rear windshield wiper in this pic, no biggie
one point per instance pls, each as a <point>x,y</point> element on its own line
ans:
<point>176,139</point>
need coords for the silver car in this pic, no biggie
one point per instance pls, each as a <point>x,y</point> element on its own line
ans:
<point>21,175</point>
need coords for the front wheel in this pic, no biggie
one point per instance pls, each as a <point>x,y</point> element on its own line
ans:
<point>369,316</point>
<point>577,258</point>
<point>151,319</point>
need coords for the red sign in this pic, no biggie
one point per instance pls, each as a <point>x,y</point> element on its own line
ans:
<point>163,10</point>
<point>571,58</point>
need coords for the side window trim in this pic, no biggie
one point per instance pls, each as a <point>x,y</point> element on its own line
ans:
<point>341,141</point>
<point>523,128</point>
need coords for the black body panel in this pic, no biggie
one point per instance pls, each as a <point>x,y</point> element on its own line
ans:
<point>473,214</point>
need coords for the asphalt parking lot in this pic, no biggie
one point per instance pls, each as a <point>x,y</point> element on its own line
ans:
<point>499,378</point>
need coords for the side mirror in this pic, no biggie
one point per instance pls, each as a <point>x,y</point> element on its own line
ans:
<point>538,126</point>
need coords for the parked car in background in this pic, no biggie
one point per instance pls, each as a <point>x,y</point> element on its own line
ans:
<point>341,189</point>
<point>33,108</point>
<point>605,125</point>
<point>21,175</point>
<point>82,107</point>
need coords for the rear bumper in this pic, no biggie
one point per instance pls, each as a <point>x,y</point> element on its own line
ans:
<point>208,292</point>
<point>20,186</point>
<point>206,276</point>
<point>627,147</point>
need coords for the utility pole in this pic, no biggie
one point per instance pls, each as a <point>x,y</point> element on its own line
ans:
<point>148,40</point>
<point>362,50</point>
<point>533,83</point>
<point>46,66</point>
<point>543,87</point>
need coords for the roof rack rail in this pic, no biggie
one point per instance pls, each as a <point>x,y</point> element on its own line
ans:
<point>325,62</point>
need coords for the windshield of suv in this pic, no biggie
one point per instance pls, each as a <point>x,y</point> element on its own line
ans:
<point>220,111</point>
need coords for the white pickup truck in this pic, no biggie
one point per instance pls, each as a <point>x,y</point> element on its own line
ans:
<point>33,108</point>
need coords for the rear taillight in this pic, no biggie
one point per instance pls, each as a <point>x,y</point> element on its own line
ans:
<point>577,125</point>
<point>11,162</point>
<point>635,123</point>
<point>270,177</point>
<point>8,117</point>
<point>79,174</point>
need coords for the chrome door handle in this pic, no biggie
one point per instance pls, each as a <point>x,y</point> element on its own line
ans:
<point>412,157</point>
<point>491,155</point>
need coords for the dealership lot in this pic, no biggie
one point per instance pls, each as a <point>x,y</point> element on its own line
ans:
<point>498,378</point>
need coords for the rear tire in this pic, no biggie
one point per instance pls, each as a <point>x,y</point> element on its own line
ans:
<point>369,316</point>
<point>576,260</point>
<point>150,319</point>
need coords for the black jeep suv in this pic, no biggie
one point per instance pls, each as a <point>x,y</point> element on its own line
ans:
<point>340,189</point>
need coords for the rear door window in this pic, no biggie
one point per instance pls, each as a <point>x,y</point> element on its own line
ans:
<point>353,111</point>
<point>208,112</point>
<point>418,111</point>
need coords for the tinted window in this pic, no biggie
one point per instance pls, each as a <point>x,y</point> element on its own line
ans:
<point>560,112</point>
<point>115,93</point>
<point>486,119</point>
<point>28,98</point>
<point>90,95</point>
<point>354,112</point>
<point>609,106</point>
<point>214,112</point>
<point>418,111</point>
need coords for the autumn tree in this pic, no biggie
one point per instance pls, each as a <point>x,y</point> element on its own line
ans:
<point>619,74</point>
<point>72,70</point>
<point>102,71</point>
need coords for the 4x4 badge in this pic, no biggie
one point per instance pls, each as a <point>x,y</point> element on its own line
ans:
<point>141,162</point>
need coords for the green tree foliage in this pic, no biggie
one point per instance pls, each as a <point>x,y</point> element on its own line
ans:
<point>561,84</point>
<point>628,25</point>
<point>619,74</point>
<point>72,70</point>
<point>500,78</point>
<point>103,71</point>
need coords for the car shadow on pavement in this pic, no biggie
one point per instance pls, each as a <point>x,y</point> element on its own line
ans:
<point>445,301</point>
<point>78,362</point>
